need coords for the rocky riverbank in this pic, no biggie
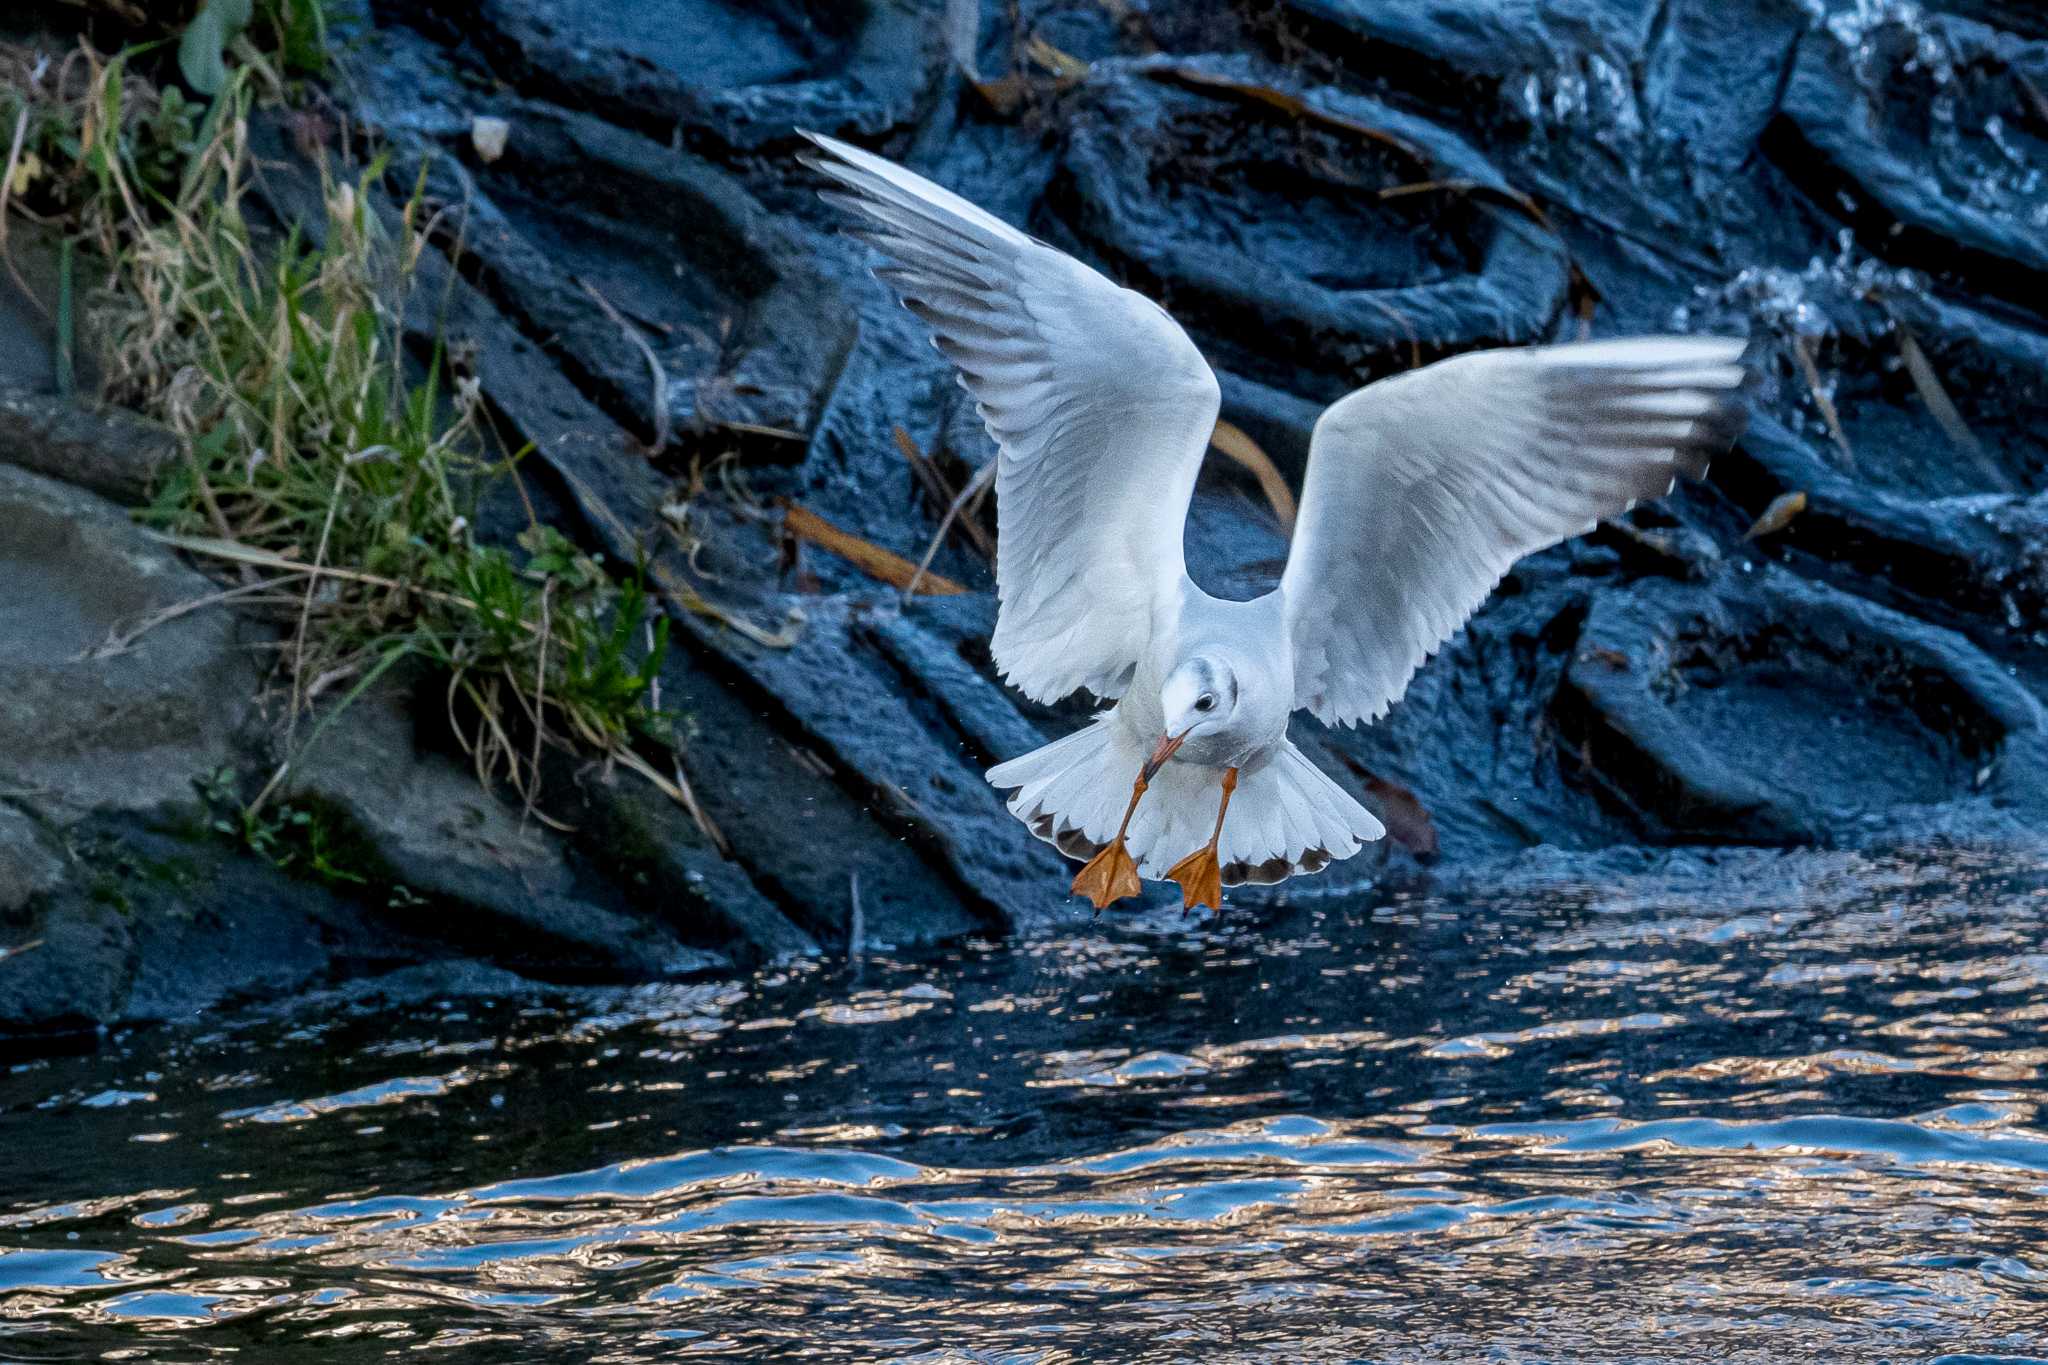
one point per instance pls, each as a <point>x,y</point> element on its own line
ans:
<point>1837,640</point>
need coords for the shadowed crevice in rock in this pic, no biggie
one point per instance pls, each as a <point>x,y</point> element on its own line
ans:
<point>1969,563</point>
<point>582,231</point>
<point>1790,712</point>
<point>732,75</point>
<point>1926,134</point>
<point>1351,236</point>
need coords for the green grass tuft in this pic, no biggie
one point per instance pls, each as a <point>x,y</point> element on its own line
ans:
<point>334,478</point>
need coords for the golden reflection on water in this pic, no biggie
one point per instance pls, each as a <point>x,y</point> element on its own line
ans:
<point>1776,1111</point>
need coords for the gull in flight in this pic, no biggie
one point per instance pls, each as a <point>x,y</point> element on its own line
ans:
<point>1422,491</point>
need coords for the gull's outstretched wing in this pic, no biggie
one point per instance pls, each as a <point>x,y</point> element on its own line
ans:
<point>1423,489</point>
<point>1100,405</point>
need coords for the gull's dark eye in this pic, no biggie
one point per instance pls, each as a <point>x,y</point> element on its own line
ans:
<point>1205,703</point>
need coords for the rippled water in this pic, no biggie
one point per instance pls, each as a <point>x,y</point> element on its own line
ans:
<point>1755,1110</point>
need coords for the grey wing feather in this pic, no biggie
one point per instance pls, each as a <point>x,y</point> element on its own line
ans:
<point>1424,489</point>
<point>1099,405</point>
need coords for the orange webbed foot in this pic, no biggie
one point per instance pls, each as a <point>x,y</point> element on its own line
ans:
<point>1200,878</point>
<point>1109,876</point>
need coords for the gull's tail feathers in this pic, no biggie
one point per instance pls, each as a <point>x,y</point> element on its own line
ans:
<point>1286,816</point>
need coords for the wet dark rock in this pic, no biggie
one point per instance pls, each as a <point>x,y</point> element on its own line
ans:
<point>42,428</point>
<point>514,892</point>
<point>139,910</point>
<point>1493,40</point>
<point>1992,374</point>
<point>578,215</point>
<point>29,866</point>
<point>97,713</point>
<point>1499,675</point>
<point>110,452</point>
<point>801,830</point>
<point>876,728</point>
<point>206,923</point>
<point>743,74</point>
<point>27,320</point>
<point>135,926</point>
<point>2019,573</point>
<point>1185,174</point>
<point>1926,131</point>
<point>2021,17</point>
<point>114,707</point>
<point>673,870</point>
<point>1779,710</point>
<point>1968,561</point>
<point>72,981</point>
<point>421,984</point>
<point>813,836</point>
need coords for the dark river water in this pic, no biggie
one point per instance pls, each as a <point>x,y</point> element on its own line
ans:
<point>1758,1109</point>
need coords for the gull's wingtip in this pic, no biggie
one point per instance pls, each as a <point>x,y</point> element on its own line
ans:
<point>1651,352</point>
<point>821,143</point>
<point>834,148</point>
<point>833,159</point>
<point>825,154</point>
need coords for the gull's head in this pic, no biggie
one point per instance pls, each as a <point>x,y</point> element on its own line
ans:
<point>1199,698</point>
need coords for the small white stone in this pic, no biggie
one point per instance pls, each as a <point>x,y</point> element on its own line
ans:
<point>488,135</point>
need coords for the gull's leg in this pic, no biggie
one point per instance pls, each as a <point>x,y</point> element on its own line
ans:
<point>1111,875</point>
<point>1199,874</point>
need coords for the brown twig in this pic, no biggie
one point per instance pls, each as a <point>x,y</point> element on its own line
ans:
<point>968,500</point>
<point>214,513</point>
<point>234,552</point>
<point>1946,414</point>
<point>678,790</point>
<point>697,604</point>
<point>1287,103</point>
<point>755,429</point>
<point>2033,94</point>
<point>306,609</point>
<point>340,673</point>
<point>928,476</point>
<point>942,494</point>
<point>865,555</point>
<point>120,641</point>
<point>663,425</point>
<point>1426,187</point>
<point>1234,442</point>
<point>1821,399</point>
<point>540,696</point>
<point>7,193</point>
<point>1778,515</point>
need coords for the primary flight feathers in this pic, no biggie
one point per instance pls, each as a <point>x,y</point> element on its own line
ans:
<point>1100,405</point>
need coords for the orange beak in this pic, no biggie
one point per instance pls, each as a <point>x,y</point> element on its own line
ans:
<point>1162,751</point>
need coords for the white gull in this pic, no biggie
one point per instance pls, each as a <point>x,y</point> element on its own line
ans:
<point>1422,491</point>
